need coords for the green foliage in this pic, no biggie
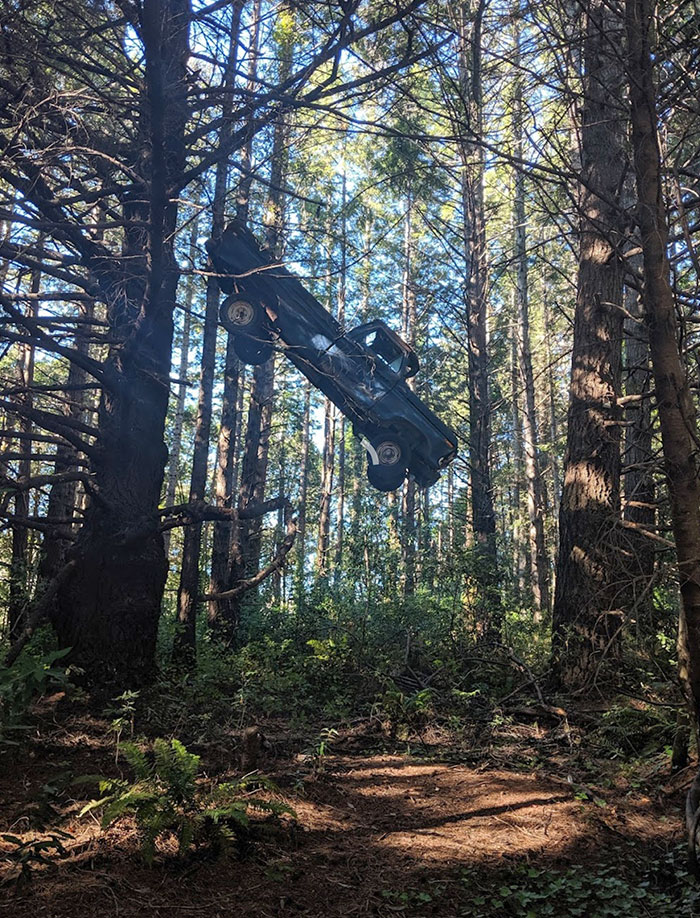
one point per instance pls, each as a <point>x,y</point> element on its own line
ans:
<point>36,852</point>
<point>168,798</point>
<point>123,714</point>
<point>603,892</point>
<point>635,731</point>
<point>406,711</point>
<point>29,677</point>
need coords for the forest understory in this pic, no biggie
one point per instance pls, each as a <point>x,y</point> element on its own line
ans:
<point>349,458</point>
<point>528,810</point>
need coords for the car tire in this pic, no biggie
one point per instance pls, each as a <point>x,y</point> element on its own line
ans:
<point>252,351</point>
<point>241,316</point>
<point>393,457</point>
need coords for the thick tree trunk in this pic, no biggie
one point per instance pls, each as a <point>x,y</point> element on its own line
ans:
<point>675,407</point>
<point>587,603</point>
<point>109,606</point>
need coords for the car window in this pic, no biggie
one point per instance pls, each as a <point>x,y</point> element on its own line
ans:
<point>383,347</point>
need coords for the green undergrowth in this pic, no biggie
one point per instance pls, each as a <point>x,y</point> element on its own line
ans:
<point>663,889</point>
<point>171,798</point>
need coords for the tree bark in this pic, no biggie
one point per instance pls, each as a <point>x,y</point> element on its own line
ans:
<point>219,612</point>
<point>539,564</point>
<point>587,602</point>
<point>675,407</point>
<point>408,310</point>
<point>639,507</point>
<point>188,593</point>
<point>178,423</point>
<point>109,606</point>
<point>489,610</point>
<point>19,559</point>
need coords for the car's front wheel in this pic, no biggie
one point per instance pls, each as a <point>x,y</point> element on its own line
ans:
<point>387,462</point>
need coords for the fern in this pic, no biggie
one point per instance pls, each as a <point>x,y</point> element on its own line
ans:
<point>166,799</point>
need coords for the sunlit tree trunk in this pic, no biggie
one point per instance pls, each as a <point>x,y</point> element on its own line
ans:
<point>342,291</point>
<point>303,490</point>
<point>408,309</point>
<point>327,475</point>
<point>329,436</point>
<point>475,296</point>
<point>520,547</point>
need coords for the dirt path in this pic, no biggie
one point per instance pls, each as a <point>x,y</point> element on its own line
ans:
<point>379,836</point>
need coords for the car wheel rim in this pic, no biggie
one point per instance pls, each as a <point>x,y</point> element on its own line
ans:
<point>240,313</point>
<point>388,453</point>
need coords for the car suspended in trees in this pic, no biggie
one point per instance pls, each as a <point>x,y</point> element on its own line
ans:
<point>363,371</point>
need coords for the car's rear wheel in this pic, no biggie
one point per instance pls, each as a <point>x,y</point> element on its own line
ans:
<point>388,462</point>
<point>241,316</point>
<point>251,350</point>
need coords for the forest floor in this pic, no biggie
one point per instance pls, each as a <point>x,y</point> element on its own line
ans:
<point>519,827</point>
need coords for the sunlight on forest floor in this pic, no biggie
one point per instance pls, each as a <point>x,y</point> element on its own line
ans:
<point>378,835</point>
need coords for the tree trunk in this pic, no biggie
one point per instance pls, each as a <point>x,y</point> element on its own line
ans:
<point>675,406</point>
<point>521,552</point>
<point>109,606</point>
<point>342,285</point>
<point>19,559</point>
<point>553,425</point>
<point>219,612</point>
<point>408,311</point>
<point>188,592</point>
<point>247,534</point>
<point>303,494</point>
<point>63,496</point>
<point>587,602</point>
<point>243,195</point>
<point>638,460</point>
<point>539,564</point>
<point>472,155</point>
<point>178,423</point>
<point>328,468</point>
<point>324,516</point>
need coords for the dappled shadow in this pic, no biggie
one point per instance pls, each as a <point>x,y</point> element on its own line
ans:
<point>379,836</point>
